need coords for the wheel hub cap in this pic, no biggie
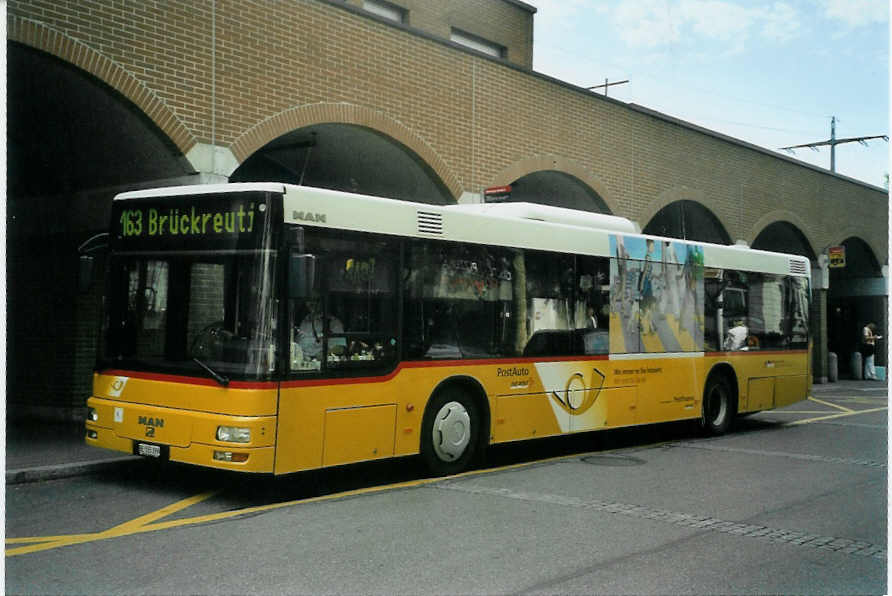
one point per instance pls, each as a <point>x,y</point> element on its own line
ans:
<point>452,431</point>
<point>717,407</point>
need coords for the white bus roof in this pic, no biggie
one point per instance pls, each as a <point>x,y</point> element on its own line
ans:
<point>202,189</point>
<point>519,225</point>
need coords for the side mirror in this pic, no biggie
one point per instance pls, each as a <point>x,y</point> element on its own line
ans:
<point>301,275</point>
<point>85,274</point>
<point>85,266</point>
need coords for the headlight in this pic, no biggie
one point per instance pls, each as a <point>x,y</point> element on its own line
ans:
<point>234,434</point>
<point>92,414</point>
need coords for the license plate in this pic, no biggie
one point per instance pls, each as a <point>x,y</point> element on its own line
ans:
<point>148,450</point>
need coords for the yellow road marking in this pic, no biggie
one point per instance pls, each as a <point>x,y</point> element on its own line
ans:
<point>144,523</point>
<point>41,543</point>
<point>34,539</point>
<point>840,415</point>
<point>796,411</point>
<point>865,401</point>
<point>148,518</point>
<point>830,405</point>
<point>860,399</point>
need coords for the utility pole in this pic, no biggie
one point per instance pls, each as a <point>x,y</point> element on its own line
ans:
<point>833,142</point>
<point>606,85</point>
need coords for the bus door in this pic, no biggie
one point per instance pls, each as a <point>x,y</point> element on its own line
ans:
<point>335,406</point>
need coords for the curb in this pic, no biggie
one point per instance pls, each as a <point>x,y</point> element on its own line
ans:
<point>849,386</point>
<point>42,473</point>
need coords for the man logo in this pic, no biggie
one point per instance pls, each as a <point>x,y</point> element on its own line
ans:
<point>151,424</point>
<point>309,216</point>
<point>149,421</point>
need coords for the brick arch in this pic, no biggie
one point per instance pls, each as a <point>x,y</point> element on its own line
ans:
<point>297,117</point>
<point>565,165</point>
<point>46,39</point>
<point>673,195</point>
<point>782,215</point>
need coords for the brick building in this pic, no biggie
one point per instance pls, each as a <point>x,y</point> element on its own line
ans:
<point>416,99</point>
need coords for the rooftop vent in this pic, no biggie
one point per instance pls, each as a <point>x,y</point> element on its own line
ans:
<point>430,222</point>
<point>798,267</point>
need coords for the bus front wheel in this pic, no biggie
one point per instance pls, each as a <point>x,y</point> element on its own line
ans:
<point>718,406</point>
<point>450,432</point>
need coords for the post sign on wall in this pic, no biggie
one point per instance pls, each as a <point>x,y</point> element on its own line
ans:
<point>837,256</point>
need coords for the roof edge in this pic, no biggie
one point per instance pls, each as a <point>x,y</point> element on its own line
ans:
<point>598,97</point>
<point>729,139</point>
<point>527,7</point>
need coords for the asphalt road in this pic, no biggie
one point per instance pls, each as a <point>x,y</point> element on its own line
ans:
<point>791,501</point>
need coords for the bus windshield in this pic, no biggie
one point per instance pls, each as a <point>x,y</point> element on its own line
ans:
<point>193,313</point>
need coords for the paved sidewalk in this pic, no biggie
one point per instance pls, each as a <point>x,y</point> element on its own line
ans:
<point>38,451</point>
<point>43,451</point>
<point>844,385</point>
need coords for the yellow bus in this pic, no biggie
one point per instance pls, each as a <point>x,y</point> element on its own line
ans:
<point>273,328</point>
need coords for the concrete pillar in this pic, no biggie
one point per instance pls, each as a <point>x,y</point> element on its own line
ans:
<point>818,320</point>
<point>214,163</point>
<point>819,338</point>
<point>857,366</point>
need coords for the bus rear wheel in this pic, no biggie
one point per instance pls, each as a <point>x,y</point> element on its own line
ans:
<point>450,432</point>
<point>718,406</point>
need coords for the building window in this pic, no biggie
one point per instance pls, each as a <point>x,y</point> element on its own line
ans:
<point>478,43</point>
<point>389,11</point>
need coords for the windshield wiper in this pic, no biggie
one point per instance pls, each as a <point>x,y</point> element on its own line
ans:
<point>217,376</point>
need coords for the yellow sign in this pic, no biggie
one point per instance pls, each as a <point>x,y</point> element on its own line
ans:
<point>837,256</point>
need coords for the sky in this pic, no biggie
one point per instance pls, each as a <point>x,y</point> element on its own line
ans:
<point>768,72</point>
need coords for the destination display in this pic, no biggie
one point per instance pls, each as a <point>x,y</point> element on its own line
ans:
<point>213,222</point>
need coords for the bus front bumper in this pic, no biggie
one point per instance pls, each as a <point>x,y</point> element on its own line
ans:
<point>182,436</point>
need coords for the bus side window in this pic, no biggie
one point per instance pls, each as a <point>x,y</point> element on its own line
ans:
<point>550,314</point>
<point>349,319</point>
<point>459,300</point>
<point>592,305</point>
<point>361,304</point>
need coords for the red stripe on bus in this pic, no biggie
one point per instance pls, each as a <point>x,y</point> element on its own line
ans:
<point>188,380</point>
<point>431,364</point>
<point>755,353</point>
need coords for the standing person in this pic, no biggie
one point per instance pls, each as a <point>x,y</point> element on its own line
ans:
<point>591,319</point>
<point>646,289</point>
<point>869,339</point>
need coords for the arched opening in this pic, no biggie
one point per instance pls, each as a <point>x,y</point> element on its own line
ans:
<point>782,236</point>
<point>688,220</point>
<point>345,157</point>
<point>857,296</point>
<point>69,132</point>
<point>550,187</point>
<point>72,143</point>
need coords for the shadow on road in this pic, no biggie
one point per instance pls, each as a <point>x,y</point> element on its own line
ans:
<point>239,491</point>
